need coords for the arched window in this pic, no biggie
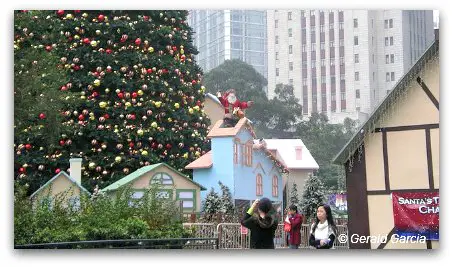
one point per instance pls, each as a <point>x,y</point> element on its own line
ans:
<point>248,153</point>
<point>161,178</point>
<point>259,185</point>
<point>275,186</point>
<point>237,143</point>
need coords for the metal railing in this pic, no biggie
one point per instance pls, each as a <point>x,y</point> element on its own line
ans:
<point>230,237</point>
<point>171,243</point>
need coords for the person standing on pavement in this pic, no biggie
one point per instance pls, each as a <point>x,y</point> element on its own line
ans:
<point>262,222</point>
<point>324,230</point>
<point>295,220</point>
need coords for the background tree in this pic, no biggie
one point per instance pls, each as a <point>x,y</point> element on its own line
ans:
<point>226,200</point>
<point>313,195</point>
<point>294,195</point>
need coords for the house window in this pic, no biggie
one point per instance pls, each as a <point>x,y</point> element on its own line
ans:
<point>74,203</point>
<point>259,185</point>
<point>247,154</point>
<point>323,79</point>
<point>291,81</point>
<point>47,202</point>
<point>392,74</point>
<point>187,199</point>
<point>135,198</point>
<point>356,40</point>
<point>276,55</point>
<point>331,43</point>
<point>322,28</point>
<point>313,47</point>
<point>304,48</point>
<point>298,153</point>
<point>290,15</point>
<point>275,186</point>
<point>357,76</point>
<point>356,23</point>
<point>313,64</point>
<point>343,96</point>
<point>323,46</point>
<point>290,32</point>
<point>341,25</point>
<point>236,151</point>
<point>390,23</point>
<point>276,23</point>
<point>373,76</point>
<point>387,59</point>
<point>304,81</point>
<point>161,178</point>
<point>276,39</point>
<point>331,26</point>
<point>341,42</point>
<point>386,41</point>
<point>357,93</point>
<point>391,40</point>
<point>386,24</point>
<point>332,61</point>
<point>356,58</point>
<point>312,12</point>
<point>392,58</point>
<point>387,76</point>
<point>165,194</point>
<point>290,66</point>
<point>276,72</point>
<point>342,77</point>
<point>323,62</point>
<point>290,49</point>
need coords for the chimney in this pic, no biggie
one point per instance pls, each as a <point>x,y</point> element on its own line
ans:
<point>75,169</point>
<point>298,152</point>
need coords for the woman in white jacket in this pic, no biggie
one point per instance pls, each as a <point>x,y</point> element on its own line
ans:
<point>324,230</point>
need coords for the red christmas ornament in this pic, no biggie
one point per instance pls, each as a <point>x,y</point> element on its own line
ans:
<point>168,146</point>
<point>108,51</point>
<point>131,144</point>
<point>28,146</point>
<point>81,117</point>
<point>76,11</point>
<point>86,40</point>
<point>60,12</point>
<point>64,88</point>
<point>21,169</point>
<point>48,48</point>
<point>106,116</point>
<point>42,116</point>
<point>149,71</point>
<point>183,57</point>
<point>138,41</point>
<point>145,18</point>
<point>132,116</point>
<point>62,142</point>
<point>174,48</point>
<point>120,95</point>
<point>95,94</point>
<point>57,171</point>
<point>194,82</point>
<point>101,17</point>
<point>76,67</point>
<point>134,95</point>
<point>153,144</point>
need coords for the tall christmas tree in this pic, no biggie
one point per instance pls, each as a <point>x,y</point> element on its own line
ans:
<point>226,200</point>
<point>140,91</point>
<point>211,204</point>
<point>312,196</point>
<point>39,96</point>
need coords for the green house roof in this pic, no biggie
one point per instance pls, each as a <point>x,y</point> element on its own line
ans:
<point>353,144</point>
<point>138,173</point>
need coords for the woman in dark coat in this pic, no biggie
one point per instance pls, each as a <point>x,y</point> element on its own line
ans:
<point>262,225</point>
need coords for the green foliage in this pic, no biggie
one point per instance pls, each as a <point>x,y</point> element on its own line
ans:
<point>101,218</point>
<point>294,195</point>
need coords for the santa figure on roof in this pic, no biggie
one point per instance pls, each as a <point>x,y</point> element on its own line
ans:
<point>234,109</point>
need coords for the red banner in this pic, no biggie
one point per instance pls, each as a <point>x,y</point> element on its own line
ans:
<point>417,213</point>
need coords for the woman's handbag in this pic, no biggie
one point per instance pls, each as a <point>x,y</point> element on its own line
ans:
<point>287,227</point>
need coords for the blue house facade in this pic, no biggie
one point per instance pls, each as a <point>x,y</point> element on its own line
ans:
<point>249,170</point>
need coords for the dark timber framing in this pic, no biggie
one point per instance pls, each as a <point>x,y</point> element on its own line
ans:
<point>428,92</point>
<point>358,220</point>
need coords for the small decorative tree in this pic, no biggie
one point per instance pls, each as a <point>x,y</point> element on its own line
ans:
<point>294,196</point>
<point>313,195</point>
<point>226,203</point>
<point>211,205</point>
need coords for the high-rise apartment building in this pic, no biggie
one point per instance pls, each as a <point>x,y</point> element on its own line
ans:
<point>344,62</point>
